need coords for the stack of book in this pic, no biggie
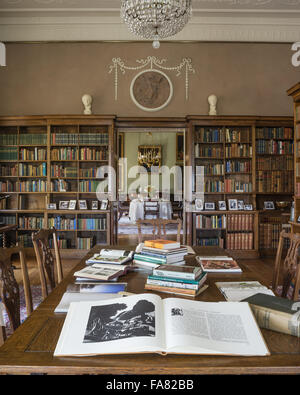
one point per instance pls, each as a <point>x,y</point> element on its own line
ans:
<point>153,253</point>
<point>180,280</point>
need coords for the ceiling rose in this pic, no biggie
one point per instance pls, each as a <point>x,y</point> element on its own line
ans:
<point>156,19</point>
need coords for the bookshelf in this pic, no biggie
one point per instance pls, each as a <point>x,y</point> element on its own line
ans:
<point>294,92</point>
<point>245,161</point>
<point>49,160</point>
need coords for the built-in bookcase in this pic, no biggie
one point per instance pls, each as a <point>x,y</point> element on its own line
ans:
<point>244,162</point>
<point>47,161</point>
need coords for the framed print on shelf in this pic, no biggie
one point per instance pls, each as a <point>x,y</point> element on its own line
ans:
<point>248,207</point>
<point>198,204</point>
<point>240,204</point>
<point>209,206</point>
<point>222,205</point>
<point>269,206</point>
<point>51,206</point>
<point>232,203</point>
<point>72,205</point>
<point>64,205</point>
<point>95,205</point>
<point>104,204</point>
<point>82,205</point>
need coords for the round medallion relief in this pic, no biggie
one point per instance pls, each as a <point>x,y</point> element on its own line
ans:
<point>151,90</point>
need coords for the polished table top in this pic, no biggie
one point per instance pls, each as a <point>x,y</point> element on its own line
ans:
<point>30,349</point>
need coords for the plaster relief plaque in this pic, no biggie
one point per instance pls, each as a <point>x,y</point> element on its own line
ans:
<point>151,90</point>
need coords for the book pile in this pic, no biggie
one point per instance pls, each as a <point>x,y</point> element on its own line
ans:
<point>179,280</point>
<point>153,253</point>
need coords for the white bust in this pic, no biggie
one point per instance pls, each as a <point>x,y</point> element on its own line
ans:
<point>212,100</point>
<point>87,102</point>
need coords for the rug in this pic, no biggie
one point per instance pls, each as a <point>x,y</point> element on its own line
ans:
<point>36,292</point>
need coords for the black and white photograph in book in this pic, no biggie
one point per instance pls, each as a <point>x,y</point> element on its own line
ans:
<point>118,321</point>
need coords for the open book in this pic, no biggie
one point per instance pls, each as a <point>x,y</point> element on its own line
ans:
<point>116,257</point>
<point>146,323</point>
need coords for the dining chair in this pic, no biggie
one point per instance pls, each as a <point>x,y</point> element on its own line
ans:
<point>48,270</point>
<point>159,227</point>
<point>9,288</point>
<point>287,269</point>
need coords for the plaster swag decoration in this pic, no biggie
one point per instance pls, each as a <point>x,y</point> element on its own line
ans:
<point>152,63</point>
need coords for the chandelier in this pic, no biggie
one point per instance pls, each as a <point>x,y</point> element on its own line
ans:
<point>156,19</point>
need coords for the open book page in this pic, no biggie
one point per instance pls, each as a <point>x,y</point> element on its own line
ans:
<point>114,253</point>
<point>69,297</point>
<point>195,327</point>
<point>235,291</point>
<point>122,325</point>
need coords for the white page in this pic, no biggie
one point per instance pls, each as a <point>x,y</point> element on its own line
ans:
<point>69,297</point>
<point>235,291</point>
<point>211,328</point>
<point>112,253</point>
<point>120,334</point>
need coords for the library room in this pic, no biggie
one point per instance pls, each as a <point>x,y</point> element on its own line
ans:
<point>149,153</point>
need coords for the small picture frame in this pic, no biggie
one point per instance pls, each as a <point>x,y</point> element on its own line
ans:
<point>198,204</point>
<point>222,205</point>
<point>64,205</point>
<point>298,219</point>
<point>51,206</point>
<point>104,204</point>
<point>232,203</point>
<point>209,206</point>
<point>248,207</point>
<point>269,205</point>
<point>72,205</point>
<point>240,204</point>
<point>95,205</point>
<point>82,205</point>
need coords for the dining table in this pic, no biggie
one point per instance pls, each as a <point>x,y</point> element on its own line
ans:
<point>29,350</point>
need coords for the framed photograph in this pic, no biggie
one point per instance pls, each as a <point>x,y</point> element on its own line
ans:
<point>95,205</point>
<point>209,206</point>
<point>198,204</point>
<point>240,204</point>
<point>51,206</point>
<point>269,206</point>
<point>72,205</point>
<point>104,204</point>
<point>222,205</point>
<point>298,220</point>
<point>82,205</point>
<point>64,205</point>
<point>248,207</point>
<point>232,203</point>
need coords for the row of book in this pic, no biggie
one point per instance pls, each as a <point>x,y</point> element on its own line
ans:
<point>239,241</point>
<point>63,171</point>
<point>232,185</point>
<point>211,221</point>
<point>66,153</point>
<point>213,168</point>
<point>33,139</point>
<point>238,135</point>
<point>274,147</point>
<point>62,223</point>
<point>277,163</point>
<point>297,189</point>
<point>31,222</point>
<point>208,151</point>
<point>236,166</point>
<point>213,186</point>
<point>274,181</point>
<point>28,170</point>
<point>8,171</point>
<point>32,186</point>
<point>88,186</point>
<point>8,153</point>
<point>93,154</point>
<point>7,186</point>
<point>81,138</point>
<point>240,222</point>
<point>8,219</point>
<point>269,235</point>
<point>238,150</point>
<point>33,154</point>
<point>92,223</point>
<point>8,139</point>
<point>85,243</point>
<point>210,241</point>
<point>274,133</point>
<point>209,135</point>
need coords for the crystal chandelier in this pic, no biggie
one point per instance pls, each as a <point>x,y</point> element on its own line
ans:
<point>156,19</point>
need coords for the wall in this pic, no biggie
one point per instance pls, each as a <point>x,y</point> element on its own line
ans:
<point>50,78</point>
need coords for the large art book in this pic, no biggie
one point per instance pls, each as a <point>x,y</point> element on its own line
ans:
<point>146,323</point>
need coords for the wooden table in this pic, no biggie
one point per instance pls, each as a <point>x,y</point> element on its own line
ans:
<point>30,349</point>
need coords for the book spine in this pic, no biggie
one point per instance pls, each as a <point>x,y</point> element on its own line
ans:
<point>166,273</point>
<point>172,284</point>
<point>170,289</point>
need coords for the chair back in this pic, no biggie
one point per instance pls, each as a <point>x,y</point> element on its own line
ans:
<point>287,270</point>
<point>45,259</point>
<point>159,227</point>
<point>9,288</point>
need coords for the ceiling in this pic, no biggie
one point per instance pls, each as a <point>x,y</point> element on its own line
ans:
<point>99,20</point>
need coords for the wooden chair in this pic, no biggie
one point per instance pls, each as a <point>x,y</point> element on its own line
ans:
<point>287,270</point>
<point>9,289</point>
<point>45,259</point>
<point>159,227</point>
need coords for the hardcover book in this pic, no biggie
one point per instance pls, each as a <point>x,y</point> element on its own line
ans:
<point>188,272</point>
<point>146,323</point>
<point>215,265</point>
